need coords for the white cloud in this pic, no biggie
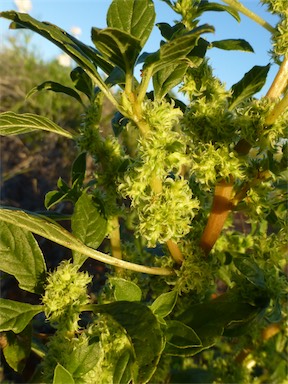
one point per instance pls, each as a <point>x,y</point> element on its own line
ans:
<point>24,6</point>
<point>64,60</point>
<point>76,31</point>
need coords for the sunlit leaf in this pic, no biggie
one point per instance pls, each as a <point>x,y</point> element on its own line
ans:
<point>12,123</point>
<point>88,225</point>
<point>251,83</point>
<point>119,47</point>
<point>167,78</point>
<point>15,316</point>
<point>55,87</point>
<point>233,44</point>
<point>125,290</point>
<point>17,348</point>
<point>164,304</point>
<point>148,346</point>
<point>21,257</point>
<point>62,376</point>
<point>132,16</point>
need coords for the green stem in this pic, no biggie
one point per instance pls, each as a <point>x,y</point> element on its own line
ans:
<point>147,74</point>
<point>235,4</point>
<point>105,90</point>
<point>115,242</point>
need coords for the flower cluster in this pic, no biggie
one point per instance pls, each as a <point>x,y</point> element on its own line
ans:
<point>211,164</point>
<point>158,192</point>
<point>65,293</point>
<point>280,37</point>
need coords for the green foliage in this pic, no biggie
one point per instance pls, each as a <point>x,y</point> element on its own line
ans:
<point>149,200</point>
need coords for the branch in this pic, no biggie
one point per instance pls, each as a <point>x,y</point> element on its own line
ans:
<point>280,82</point>
<point>235,4</point>
<point>221,207</point>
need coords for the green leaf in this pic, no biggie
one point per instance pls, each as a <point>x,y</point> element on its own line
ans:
<point>21,257</point>
<point>50,230</point>
<point>209,320</point>
<point>181,340</point>
<point>15,316</point>
<point>55,87</point>
<point>125,290</point>
<point>123,368</point>
<point>12,123</point>
<point>117,76</point>
<point>148,344</point>
<point>84,56</point>
<point>132,16</point>
<point>164,304</point>
<point>88,225</point>
<point>167,78</point>
<point>169,32</point>
<point>17,348</point>
<point>251,271</point>
<point>54,197</point>
<point>62,376</point>
<point>119,47</point>
<point>251,83</point>
<point>83,359</point>
<point>233,44</point>
<point>207,6</point>
<point>79,169</point>
<point>173,51</point>
<point>82,81</point>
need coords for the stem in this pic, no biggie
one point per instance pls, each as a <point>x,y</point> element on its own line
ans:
<point>235,4</point>
<point>220,209</point>
<point>115,242</point>
<point>147,74</point>
<point>277,110</point>
<point>280,82</point>
<point>175,252</point>
<point>105,90</point>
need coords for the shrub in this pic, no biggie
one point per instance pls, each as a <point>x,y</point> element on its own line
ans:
<point>190,294</point>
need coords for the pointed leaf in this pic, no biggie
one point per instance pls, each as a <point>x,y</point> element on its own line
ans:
<point>21,257</point>
<point>173,51</point>
<point>47,228</point>
<point>82,81</point>
<point>53,198</point>
<point>207,6</point>
<point>55,87</point>
<point>83,359</point>
<point>251,83</point>
<point>12,123</point>
<point>17,349</point>
<point>181,340</point>
<point>164,304</point>
<point>62,376</point>
<point>167,78</point>
<point>148,346</point>
<point>132,16</point>
<point>233,44</point>
<point>88,225</point>
<point>15,316</point>
<point>125,290</point>
<point>169,32</point>
<point>251,271</point>
<point>119,47</point>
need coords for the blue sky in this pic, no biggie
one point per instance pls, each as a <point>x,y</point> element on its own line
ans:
<point>229,66</point>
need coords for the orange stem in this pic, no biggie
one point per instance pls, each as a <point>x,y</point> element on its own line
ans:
<point>221,207</point>
<point>175,252</point>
